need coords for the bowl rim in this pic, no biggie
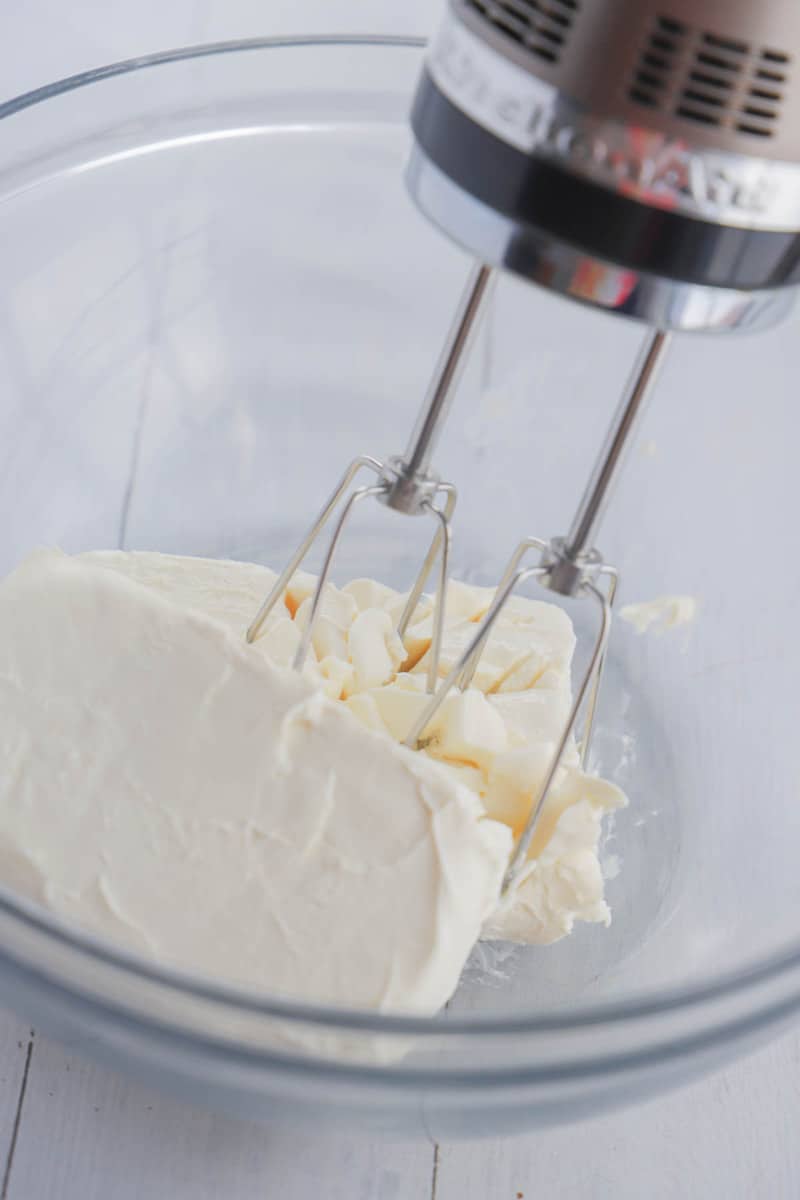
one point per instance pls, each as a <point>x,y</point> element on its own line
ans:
<point>126,66</point>
<point>640,1006</point>
<point>755,975</point>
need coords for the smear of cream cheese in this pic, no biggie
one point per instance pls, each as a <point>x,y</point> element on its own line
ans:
<point>661,613</point>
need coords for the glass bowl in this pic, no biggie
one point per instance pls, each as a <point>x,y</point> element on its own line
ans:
<point>215,292</point>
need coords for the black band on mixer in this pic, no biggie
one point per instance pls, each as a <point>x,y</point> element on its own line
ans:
<point>536,193</point>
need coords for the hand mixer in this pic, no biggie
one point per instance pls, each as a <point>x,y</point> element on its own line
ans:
<point>642,156</point>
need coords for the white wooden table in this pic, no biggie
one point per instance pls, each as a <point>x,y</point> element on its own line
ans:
<point>71,1130</point>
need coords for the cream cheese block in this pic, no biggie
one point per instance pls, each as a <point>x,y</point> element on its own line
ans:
<point>497,739</point>
<point>170,787</point>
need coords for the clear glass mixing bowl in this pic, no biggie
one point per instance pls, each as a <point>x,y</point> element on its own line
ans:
<point>214,293</point>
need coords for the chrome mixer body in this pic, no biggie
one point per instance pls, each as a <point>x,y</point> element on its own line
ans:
<point>640,156</point>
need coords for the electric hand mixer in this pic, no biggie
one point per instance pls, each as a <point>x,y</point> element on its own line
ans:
<point>642,156</point>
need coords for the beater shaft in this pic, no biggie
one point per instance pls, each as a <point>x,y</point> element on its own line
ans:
<point>410,473</point>
<point>447,373</point>
<point>607,468</point>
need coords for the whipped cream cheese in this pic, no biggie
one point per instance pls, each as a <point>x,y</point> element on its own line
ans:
<point>186,794</point>
<point>497,738</point>
<point>660,614</point>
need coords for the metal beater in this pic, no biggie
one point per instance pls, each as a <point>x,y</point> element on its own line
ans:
<point>567,565</point>
<point>404,483</point>
<point>641,156</point>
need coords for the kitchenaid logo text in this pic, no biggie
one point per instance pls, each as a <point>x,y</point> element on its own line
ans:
<point>634,160</point>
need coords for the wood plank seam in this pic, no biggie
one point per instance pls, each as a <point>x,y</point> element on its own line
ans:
<point>435,1172</point>
<point>17,1118</point>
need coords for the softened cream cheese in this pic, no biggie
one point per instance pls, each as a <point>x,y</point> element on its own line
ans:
<point>190,796</point>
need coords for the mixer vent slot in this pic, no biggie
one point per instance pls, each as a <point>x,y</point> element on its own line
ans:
<point>655,70</point>
<point>540,26</point>
<point>735,85</point>
<point>710,79</point>
<point>761,105</point>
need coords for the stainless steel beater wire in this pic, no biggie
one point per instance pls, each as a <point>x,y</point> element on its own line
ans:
<point>612,575</point>
<point>526,837</point>
<point>441,597</point>
<point>449,490</point>
<point>475,646</point>
<point>414,595</point>
<point>353,499</point>
<point>606,469</point>
<point>447,373</point>
<point>279,587</point>
<point>530,543</point>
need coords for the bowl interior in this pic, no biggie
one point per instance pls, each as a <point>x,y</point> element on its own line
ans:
<point>215,292</point>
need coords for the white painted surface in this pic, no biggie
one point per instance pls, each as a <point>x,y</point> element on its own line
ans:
<point>88,1134</point>
<point>113,1140</point>
<point>70,1130</point>
<point>732,1136</point>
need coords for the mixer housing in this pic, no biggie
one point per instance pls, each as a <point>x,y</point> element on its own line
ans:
<point>639,155</point>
